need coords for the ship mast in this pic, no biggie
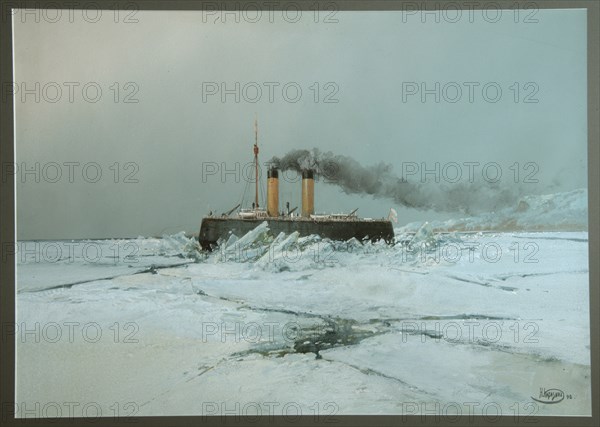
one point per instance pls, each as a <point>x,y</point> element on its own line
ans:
<point>256,162</point>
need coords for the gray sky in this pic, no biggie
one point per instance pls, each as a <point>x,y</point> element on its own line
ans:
<point>371,58</point>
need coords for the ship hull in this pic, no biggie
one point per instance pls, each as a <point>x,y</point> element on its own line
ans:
<point>212,229</point>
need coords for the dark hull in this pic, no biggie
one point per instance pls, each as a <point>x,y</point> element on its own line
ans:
<point>212,229</point>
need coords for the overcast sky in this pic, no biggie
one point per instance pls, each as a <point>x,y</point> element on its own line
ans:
<point>370,62</point>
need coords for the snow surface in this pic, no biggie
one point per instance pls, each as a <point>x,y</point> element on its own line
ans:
<point>566,211</point>
<point>468,323</point>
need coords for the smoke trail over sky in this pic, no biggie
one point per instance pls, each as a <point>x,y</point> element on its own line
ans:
<point>169,142</point>
<point>380,181</point>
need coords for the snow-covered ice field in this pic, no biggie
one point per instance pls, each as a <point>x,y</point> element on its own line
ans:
<point>449,322</point>
<point>471,323</point>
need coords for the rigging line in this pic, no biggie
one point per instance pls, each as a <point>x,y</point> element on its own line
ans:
<point>262,198</point>
<point>256,160</point>
<point>246,188</point>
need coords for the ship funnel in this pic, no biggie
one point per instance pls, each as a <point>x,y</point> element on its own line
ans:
<point>273,192</point>
<point>308,193</point>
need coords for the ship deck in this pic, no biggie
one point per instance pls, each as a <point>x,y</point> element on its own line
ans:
<point>298,219</point>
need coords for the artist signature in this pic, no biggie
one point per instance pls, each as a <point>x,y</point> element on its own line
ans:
<point>550,395</point>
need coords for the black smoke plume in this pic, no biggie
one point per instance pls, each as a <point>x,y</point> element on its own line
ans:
<point>381,182</point>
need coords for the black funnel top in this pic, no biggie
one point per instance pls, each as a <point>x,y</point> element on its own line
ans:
<point>308,174</point>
